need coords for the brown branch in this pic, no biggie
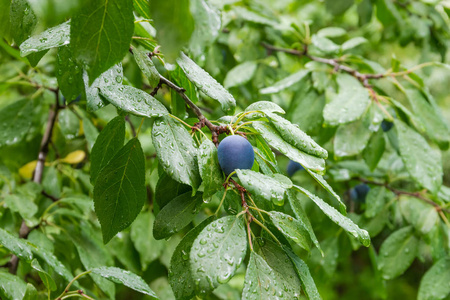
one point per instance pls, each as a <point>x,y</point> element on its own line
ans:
<point>38,172</point>
<point>398,192</point>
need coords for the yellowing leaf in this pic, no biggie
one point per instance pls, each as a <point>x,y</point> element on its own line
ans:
<point>74,157</point>
<point>27,170</point>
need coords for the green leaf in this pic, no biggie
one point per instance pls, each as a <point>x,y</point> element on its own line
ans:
<point>17,246</point>
<point>337,218</point>
<point>302,217</point>
<point>134,101</point>
<point>11,286</point>
<point>353,43</point>
<point>260,280</point>
<point>180,274</point>
<point>69,74</point>
<point>324,45</point>
<point>25,206</point>
<point>126,278</point>
<point>113,76</point>
<point>434,284</point>
<point>240,74</point>
<point>426,170</point>
<point>93,254</point>
<point>207,26</point>
<point>207,84</point>
<point>51,38</point>
<point>350,102</point>
<point>350,139</point>
<point>291,228</point>
<point>168,189</point>
<point>271,188</point>
<point>430,116</point>
<point>374,149</point>
<point>100,34</point>
<point>284,83</point>
<point>142,236</point>
<point>120,192</point>
<point>45,277</point>
<point>174,25</point>
<point>397,253</point>
<point>90,133</point>
<point>338,7</point>
<point>30,293</point>
<point>326,186</point>
<point>51,260</point>
<point>143,8</point>
<point>252,16</point>
<point>307,111</point>
<point>274,139</point>
<point>51,12</point>
<point>262,106</point>
<point>375,201</point>
<point>282,266</point>
<point>146,65</point>
<point>16,121</point>
<point>176,151</point>
<point>210,170</point>
<point>4,19</point>
<point>296,137</point>
<point>331,32</point>
<point>303,273</point>
<point>217,252</point>
<point>176,215</point>
<point>421,215</point>
<point>23,22</point>
<point>108,143</point>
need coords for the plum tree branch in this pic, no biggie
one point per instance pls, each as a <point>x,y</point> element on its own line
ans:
<point>39,170</point>
<point>398,192</point>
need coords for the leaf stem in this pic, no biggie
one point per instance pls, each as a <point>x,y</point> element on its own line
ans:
<point>66,290</point>
<point>221,201</point>
<point>268,231</point>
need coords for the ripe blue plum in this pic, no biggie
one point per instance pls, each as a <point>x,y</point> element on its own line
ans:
<point>359,193</point>
<point>235,152</point>
<point>293,167</point>
<point>386,125</point>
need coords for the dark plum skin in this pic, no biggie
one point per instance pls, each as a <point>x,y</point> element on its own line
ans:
<point>293,167</point>
<point>386,125</point>
<point>359,193</point>
<point>235,152</point>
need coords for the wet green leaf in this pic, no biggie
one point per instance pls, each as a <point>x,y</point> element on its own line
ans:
<point>434,284</point>
<point>240,74</point>
<point>303,273</point>
<point>69,74</point>
<point>176,215</point>
<point>176,151</point>
<point>25,206</point>
<point>180,274</point>
<point>126,278</point>
<point>337,218</point>
<point>207,84</point>
<point>45,277</point>
<point>375,201</point>
<point>108,143</point>
<point>15,121</point>
<point>397,253</point>
<point>274,139</point>
<point>350,102</point>
<point>210,170</point>
<point>292,134</point>
<point>17,246</point>
<point>11,286</point>
<point>51,38</point>
<point>134,101</point>
<point>284,83</point>
<point>217,252</point>
<point>146,65</point>
<point>100,34</point>
<point>422,162</point>
<point>119,192</point>
<point>291,228</point>
<point>168,189</point>
<point>374,149</point>
<point>207,25</point>
<point>352,138</point>
<point>271,188</point>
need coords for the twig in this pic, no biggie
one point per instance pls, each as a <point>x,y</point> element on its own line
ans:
<point>417,195</point>
<point>38,172</point>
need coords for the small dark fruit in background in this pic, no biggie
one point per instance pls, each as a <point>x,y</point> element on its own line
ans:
<point>293,167</point>
<point>235,152</point>
<point>386,125</point>
<point>359,193</point>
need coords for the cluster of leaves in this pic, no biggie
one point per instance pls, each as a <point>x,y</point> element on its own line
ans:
<point>107,159</point>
